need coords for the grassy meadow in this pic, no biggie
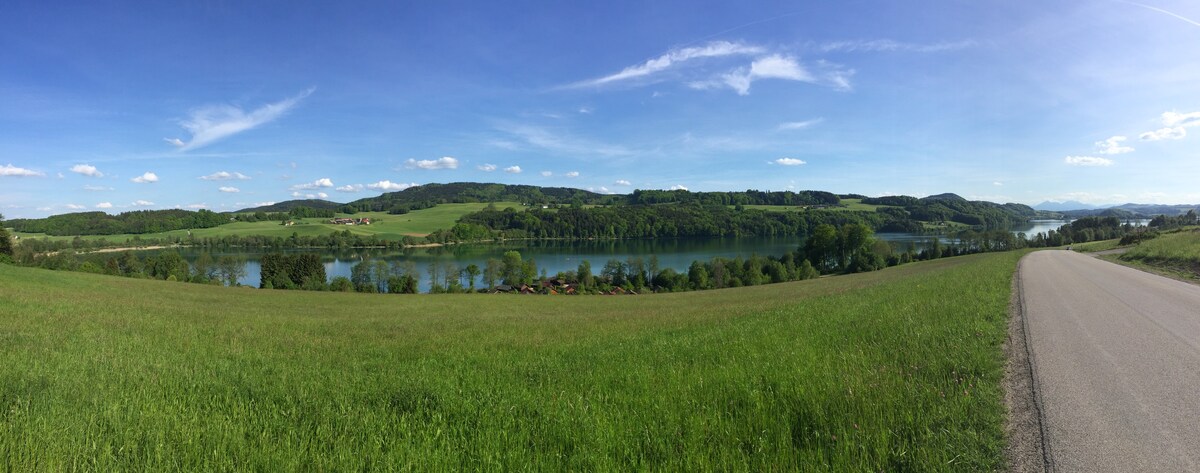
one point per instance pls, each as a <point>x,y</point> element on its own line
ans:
<point>1174,253</point>
<point>894,370</point>
<point>393,227</point>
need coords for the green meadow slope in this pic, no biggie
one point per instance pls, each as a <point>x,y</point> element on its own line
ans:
<point>893,370</point>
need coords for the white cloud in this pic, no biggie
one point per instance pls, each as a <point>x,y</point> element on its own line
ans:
<point>672,58</point>
<point>214,122</point>
<point>800,125</point>
<point>10,170</point>
<point>678,187</point>
<point>513,169</point>
<point>997,183</point>
<point>317,184</point>
<point>789,162</point>
<point>573,174</point>
<point>622,182</point>
<point>1173,133</point>
<point>146,178</point>
<point>86,170</point>
<point>104,205</point>
<point>781,67</point>
<point>318,195</point>
<point>197,206</point>
<point>887,45</point>
<point>1186,120</point>
<point>388,186</point>
<point>264,204</point>
<point>1113,146</point>
<point>444,162</point>
<point>322,195</point>
<point>229,189</point>
<point>350,188</point>
<point>1087,161</point>
<point>585,110</point>
<point>225,176</point>
<point>486,167</point>
<point>75,206</point>
<point>1175,124</point>
<point>97,188</point>
<point>546,173</point>
<point>142,203</point>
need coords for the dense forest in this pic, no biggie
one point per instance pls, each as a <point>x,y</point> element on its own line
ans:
<point>138,221</point>
<point>659,221</point>
<point>952,208</point>
<point>467,192</point>
<point>283,207</point>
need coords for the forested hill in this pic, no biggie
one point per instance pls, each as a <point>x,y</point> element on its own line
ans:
<point>953,208</point>
<point>463,192</point>
<point>100,223</point>
<point>291,204</point>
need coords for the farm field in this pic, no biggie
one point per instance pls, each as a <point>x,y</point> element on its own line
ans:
<point>416,223</point>
<point>891,370</point>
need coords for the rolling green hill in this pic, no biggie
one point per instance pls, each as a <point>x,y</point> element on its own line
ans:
<point>894,370</point>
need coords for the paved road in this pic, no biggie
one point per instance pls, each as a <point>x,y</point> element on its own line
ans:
<point>1116,362</point>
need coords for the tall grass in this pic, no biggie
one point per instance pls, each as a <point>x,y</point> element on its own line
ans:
<point>896,370</point>
<point>1180,248</point>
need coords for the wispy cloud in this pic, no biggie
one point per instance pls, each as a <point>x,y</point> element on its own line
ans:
<point>75,206</point>
<point>389,186</point>
<point>678,187</point>
<point>197,206</point>
<point>673,58</point>
<point>212,123</point>
<point>225,176</point>
<point>622,182</point>
<point>146,178</point>
<point>317,184</point>
<point>1087,161</point>
<point>547,173</point>
<point>10,170</point>
<point>229,189</point>
<point>789,162</point>
<point>1165,12</point>
<point>486,167</point>
<point>559,142</point>
<point>351,188</point>
<point>86,170</point>
<point>104,205</point>
<point>800,125</point>
<point>513,169</point>
<point>1170,133</point>
<point>318,195</point>
<point>1113,146</point>
<point>888,45</point>
<point>445,162</point>
<point>572,174</point>
<point>97,188</point>
<point>780,67</point>
<point>142,203</point>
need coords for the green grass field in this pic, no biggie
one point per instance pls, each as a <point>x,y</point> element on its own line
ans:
<point>895,370</point>
<point>1175,254</point>
<point>392,227</point>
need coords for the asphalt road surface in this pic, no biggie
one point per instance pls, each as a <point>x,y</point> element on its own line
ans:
<point>1115,363</point>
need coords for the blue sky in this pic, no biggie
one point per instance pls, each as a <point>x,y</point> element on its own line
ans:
<point>119,106</point>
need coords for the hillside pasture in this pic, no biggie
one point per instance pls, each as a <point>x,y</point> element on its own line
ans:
<point>894,370</point>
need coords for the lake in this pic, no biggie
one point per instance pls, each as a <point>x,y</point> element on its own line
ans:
<point>555,256</point>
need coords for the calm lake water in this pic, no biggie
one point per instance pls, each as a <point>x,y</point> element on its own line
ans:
<point>557,256</point>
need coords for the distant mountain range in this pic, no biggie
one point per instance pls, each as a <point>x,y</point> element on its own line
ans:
<point>1072,209</point>
<point>1062,206</point>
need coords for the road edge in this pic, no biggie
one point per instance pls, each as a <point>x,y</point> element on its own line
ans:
<point>1027,449</point>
